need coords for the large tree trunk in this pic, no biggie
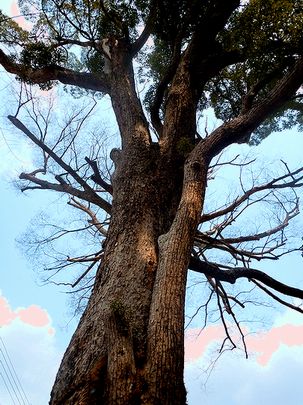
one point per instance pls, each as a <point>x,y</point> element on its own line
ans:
<point>102,362</point>
<point>128,347</point>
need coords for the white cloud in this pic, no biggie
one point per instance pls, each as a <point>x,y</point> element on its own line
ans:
<point>35,357</point>
<point>237,381</point>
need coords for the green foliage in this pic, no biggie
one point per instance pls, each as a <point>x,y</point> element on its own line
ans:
<point>159,58</point>
<point>10,32</point>
<point>38,55</point>
<point>178,18</point>
<point>265,26</point>
<point>268,35</point>
<point>93,60</point>
<point>184,147</point>
<point>288,117</point>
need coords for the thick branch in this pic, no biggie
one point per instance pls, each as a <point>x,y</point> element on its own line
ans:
<point>191,71</point>
<point>278,299</point>
<point>277,183</point>
<point>243,125</point>
<point>231,275</point>
<point>207,56</point>
<point>65,188</point>
<point>97,177</point>
<point>145,34</point>
<point>84,80</point>
<point>162,87</point>
<point>69,41</point>
<point>248,99</point>
<point>89,191</point>
<point>126,104</point>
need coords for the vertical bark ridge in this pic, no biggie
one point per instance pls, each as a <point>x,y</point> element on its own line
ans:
<point>165,361</point>
<point>180,112</point>
<point>121,369</point>
<point>110,342</point>
<point>126,104</point>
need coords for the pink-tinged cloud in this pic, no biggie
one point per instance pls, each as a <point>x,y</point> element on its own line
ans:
<point>6,314</point>
<point>32,315</point>
<point>15,12</point>
<point>262,345</point>
<point>266,344</point>
<point>197,341</point>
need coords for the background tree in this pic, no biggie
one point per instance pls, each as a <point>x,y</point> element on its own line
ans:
<point>244,61</point>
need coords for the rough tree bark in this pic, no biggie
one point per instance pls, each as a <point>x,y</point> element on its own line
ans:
<point>129,345</point>
<point>114,355</point>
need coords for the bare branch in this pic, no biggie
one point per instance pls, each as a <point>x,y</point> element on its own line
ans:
<point>91,195</point>
<point>278,299</point>
<point>231,275</point>
<point>94,220</point>
<point>61,187</point>
<point>83,80</point>
<point>287,180</point>
<point>87,258</point>
<point>257,236</point>
<point>224,323</point>
<point>205,306</point>
<point>84,274</point>
<point>97,177</point>
<point>18,124</point>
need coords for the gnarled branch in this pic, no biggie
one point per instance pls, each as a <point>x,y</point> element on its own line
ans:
<point>84,80</point>
<point>89,193</point>
<point>232,274</point>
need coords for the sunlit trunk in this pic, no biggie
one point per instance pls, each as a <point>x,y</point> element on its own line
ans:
<point>128,347</point>
<point>108,360</point>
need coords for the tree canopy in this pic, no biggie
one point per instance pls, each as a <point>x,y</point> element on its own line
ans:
<point>163,65</point>
<point>246,57</point>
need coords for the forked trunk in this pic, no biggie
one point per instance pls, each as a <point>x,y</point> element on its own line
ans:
<point>128,347</point>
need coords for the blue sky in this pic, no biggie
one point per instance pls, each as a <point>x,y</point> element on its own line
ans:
<point>36,348</point>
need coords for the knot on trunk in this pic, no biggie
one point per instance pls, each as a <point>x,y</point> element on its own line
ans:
<point>115,155</point>
<point>196,166</point>
<point>121,317</point>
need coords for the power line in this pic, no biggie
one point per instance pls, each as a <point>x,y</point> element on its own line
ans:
<point>14,371</point>
<point>8,390</point>
<point>12,376</point>
<point>7,385</point>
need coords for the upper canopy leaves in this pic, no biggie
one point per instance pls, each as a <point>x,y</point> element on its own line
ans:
<point>270,37</point>
<point>267,38</point>
<point>10,32</point>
